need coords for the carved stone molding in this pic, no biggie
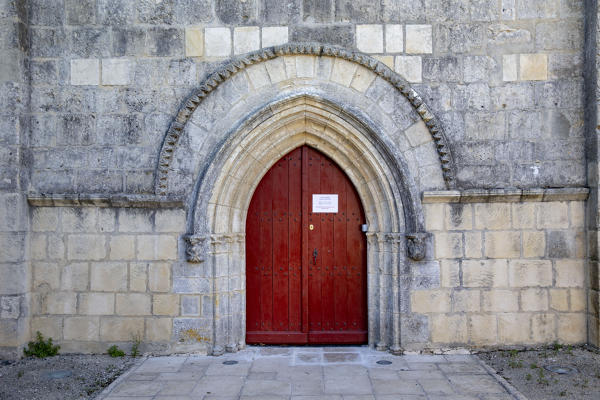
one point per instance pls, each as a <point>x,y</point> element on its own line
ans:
<point>194,250</point>
<point>315,49</point>
<point>416,245</point>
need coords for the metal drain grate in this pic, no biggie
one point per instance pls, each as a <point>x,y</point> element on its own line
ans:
<point>230,362</point>
<point>384,362</point>
<point>561,369</point>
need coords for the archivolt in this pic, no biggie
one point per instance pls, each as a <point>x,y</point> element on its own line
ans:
<point>215,79</point>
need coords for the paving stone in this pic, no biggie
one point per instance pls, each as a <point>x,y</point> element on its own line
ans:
<point>231,386</point>
<point>178,388</point>
<point>266,387</point>
<point>394,386</point>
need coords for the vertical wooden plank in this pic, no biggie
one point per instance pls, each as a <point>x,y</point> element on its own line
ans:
<point>266,254</point>
<point>253,264</point>
<point>305,256</point>
<point>314,242</point>
<point>295,239</point>
<point>340,253</point>
<point>326,248</point>
<point>355,239</point>
<point>280,245</point>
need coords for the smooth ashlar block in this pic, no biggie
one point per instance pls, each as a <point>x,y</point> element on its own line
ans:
<point>274,35</point>
<point>509,67</point>
<point>419,39</point>
<point>194,42</point>
<point>533,67</point>
<point>116,71</point>
<point>394,39</point>
<point>217,42</point>
<point>369,38</point>
<point>246,39</point>
<point>410,67</point>
<point>85,72</point>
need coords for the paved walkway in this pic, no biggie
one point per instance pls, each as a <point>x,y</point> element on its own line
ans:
<point>309,373</point>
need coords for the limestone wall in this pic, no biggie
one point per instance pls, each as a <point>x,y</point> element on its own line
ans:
<point>511,273</point>
<point>105,275</point>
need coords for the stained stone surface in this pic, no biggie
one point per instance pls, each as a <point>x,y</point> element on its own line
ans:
<point>311,373</point>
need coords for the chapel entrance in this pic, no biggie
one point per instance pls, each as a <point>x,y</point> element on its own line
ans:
<point>306,255</point>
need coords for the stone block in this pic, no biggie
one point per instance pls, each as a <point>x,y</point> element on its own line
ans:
<point>49,327</point>
<point>96,303</point>
<point>483,329</point>
<point>394,39</point>
<point>473,244</point>
<point>10,307</point>
<point>39,243</point>
<point>170,221</point>
<point>572,328</point>
<point>430,301</point>
<point>132,220</point>
<point>362,79</point>
<point>75,277</point>
<point>116,71</point>
<point>274,35</point>
<point>246,39</point>
<point>165,42</point>
<point>419,39</point>
<point>500,300</point>
<point>121,329</point>
<point>15,278</point>
<point>190,305</point>
<point>276,69</point>
<point>502,244</point>
<point>418,134</point>
<point>514,328</point>
<point>342,35</point>
<point>459,216</point>
<point>59,303</point>
<point>553,215</point>
<point>159,277</point>
<point>217,42</point>
<point>165,304</point>
<point>492,216</point>
<point>133,304</point>
<point>44,219</point>
<point>543,328</point>
<point>156,247</point>
<point>158,329</point>
<point>450,273</point>
<point>259,76</point>
<point>86,247</point>
<point>510,67</point>
<point>534,244</point>
<point>85,72</point>
<point>449,328</point>
<point>343,71</point>
<point>386,60</point>
<point>45,276</point>
<point>485,273</point>
<point>570,273</point>
<point>82,328</point>
<point>448,245</point>
<point>108,277</point>
<point>559,299</point>
<point>409,67</point>
<point>434,216</point>
<point>369,38</point>
<point>534,299</point>
<point>106,220</point>
<point>577,209</point>
<point>194,41</point>
<point>122,247</point>
<point>578,299</point>
<point>523,273</point>
<point>79,219</point>
<point>138,277</point>
<point>565,244</point>
<point>533,67</point>
<point>466,301</point>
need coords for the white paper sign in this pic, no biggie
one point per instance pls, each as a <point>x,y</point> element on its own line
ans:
<point>324,203</point>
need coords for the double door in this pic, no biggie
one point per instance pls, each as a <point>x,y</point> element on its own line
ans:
<point>305,255</point>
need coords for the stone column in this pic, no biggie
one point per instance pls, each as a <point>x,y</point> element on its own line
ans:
<point>14,227</point>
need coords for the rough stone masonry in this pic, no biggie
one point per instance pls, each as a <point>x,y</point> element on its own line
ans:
<point>133,134</point>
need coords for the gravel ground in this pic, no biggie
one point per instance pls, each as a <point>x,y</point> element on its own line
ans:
<point>525,371</point>
<point>88,374</point>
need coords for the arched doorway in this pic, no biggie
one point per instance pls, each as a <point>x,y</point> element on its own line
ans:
<point>306,255</point>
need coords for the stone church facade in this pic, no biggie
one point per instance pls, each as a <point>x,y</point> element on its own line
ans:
<point>134,134</point>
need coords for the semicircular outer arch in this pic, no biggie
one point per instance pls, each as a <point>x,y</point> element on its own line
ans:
<point>176,128</point>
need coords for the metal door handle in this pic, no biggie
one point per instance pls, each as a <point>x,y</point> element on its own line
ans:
<point>315,254</point>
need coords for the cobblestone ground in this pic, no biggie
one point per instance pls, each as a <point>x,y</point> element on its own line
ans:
<point>301,373</point>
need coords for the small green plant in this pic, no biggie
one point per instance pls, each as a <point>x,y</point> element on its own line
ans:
<point>563,393</point>
<point>20,373</point>
<point>515,364</point>
<point>513,353</point>
<point>135,348</point>
<point>528,377</point>
<point>541,377</point>
<point>114,351</point>
<point>533,366</point>
<point>556,346</point>
<point>41,348</point>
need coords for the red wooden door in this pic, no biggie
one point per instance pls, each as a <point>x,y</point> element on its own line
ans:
<point>305,270</point>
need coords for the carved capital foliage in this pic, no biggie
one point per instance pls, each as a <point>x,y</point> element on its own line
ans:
<point>416,244</point>
<point>194,250</point>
